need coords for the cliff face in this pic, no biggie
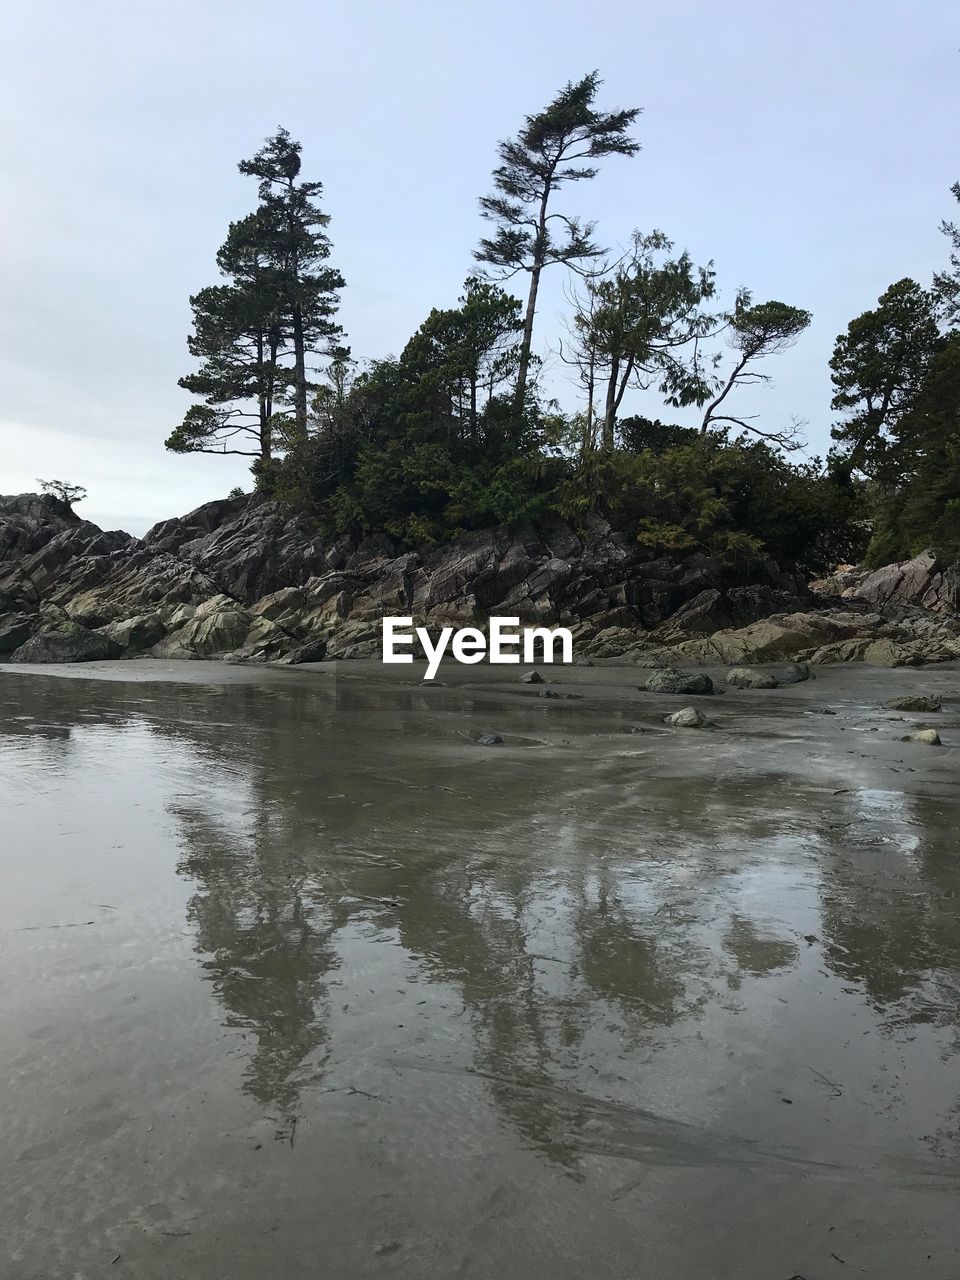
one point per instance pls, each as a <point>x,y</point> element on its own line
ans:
<point>239,579</point>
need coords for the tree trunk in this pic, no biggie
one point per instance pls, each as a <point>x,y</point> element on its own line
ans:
<point>524,364</point>
<point>539,255</point>
<point>588,440</point>
<point>264,403</point>
<point>299,373</point>
<point>610,406</point>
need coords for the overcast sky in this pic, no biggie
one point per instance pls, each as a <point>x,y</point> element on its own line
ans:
<point>804,148</point>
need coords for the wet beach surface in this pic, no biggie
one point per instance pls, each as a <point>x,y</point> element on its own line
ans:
<point>300,981</point>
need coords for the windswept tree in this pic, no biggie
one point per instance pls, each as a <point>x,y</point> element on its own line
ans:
<point>876,369</point>
<point>253,334</point>
<point>63,491</point>
<point>555,147</point>
<point>639,325</point>
<point>753,331</point>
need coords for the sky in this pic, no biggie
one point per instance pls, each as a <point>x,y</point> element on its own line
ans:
<point>803,148</point>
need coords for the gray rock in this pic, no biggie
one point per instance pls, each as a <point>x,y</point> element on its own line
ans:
<point>929,736</point>
<point>531,677</point>
<point>136,634</point>
<point>67,642</point>
<point>489,740</point>
<point>15,630</point>
<point>547,693</point>
<point>744,678</point>
<point>242,577</point>
<point>312,651</point>
<point>914,704</point>
<point>794,673</point>
<point>687,718</point>
<point>670,680</point>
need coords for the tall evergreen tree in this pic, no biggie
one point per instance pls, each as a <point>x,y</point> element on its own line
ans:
<point>877,367</point>
<point>254,334</point>
<point>239,334</point>
<point>298,250</point>
<point>547,153</point>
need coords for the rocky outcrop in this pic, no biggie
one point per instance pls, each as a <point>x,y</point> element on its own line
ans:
<point>238,579</point>
<point>925,581</point>
<point>66,642</point>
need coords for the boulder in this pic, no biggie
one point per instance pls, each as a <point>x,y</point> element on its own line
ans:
<point>913,704</point>
<point>137,633</point>
<point>15,630</point>
<point>774,639</point>
<point>670,680</point>
<point>531,677</point>
<point>66,642</point>
<point>929,736</point>
<point>794,673</point>
<point>312,651</point>
<point>744,678</point>
<point>687,718</point>
<point>213,630</point>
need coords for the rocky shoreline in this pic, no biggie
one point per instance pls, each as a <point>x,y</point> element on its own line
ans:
<point>238,580</point>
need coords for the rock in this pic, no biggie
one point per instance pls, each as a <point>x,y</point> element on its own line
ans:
<point>242,577</point>
<point>887,653</point>
<point>531,677</point>
<point>774,639</point>
<point>137,633</point>
<point>794,673</point>
<point>687,718</point>
<point>670,680</point>
<point>547,693</point>
<point>66,642</point>
<point>820,711</point>
<point>743,678</point>
<point>929,736</point>
<point>15,630</point>
<point>312,651</point>
<point>218,626</point>
<point>489,740</point>
<point>914,704</point>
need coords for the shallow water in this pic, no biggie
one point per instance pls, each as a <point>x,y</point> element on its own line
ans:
<point>300,981</point>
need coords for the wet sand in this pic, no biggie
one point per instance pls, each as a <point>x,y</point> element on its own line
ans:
<point>300,981</point>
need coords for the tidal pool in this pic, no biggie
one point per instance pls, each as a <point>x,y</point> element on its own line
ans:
<point>300,981</point>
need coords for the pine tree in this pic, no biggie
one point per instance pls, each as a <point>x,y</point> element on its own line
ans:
<point>547,153</point>
<point>254,334</point>
<point>297,251</point>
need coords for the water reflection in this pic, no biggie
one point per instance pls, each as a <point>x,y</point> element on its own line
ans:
<point>577,926</point>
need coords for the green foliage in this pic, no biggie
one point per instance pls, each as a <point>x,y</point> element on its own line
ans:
<point>920,506</point>
<point>63,490</point>
<point>946,284</point>
<point>731,500</point>
<point>877,368</point>
<point>636,322</point>
<point>754,331</point>
<point>548,153</point>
